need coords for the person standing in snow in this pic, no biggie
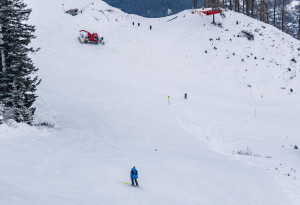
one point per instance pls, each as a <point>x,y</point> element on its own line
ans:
<point>150,27</point>
<point>133,23</point>
<point>138,24</point>
<point>185,95</point>
<point>134,176</point>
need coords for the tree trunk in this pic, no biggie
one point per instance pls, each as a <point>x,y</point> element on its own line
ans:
<point>252,8</point>
<point>274,14</point>
<point>235,4</point>
<point>3,63</point>
<point>267,12</point>
<point>247,7</point>
<point>299,26</point>
<point>195,3</point>
<point>282,16</point>
<point>213,15</point>
<point>261,10</point>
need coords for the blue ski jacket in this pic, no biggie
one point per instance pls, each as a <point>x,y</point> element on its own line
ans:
<point>134,173</point>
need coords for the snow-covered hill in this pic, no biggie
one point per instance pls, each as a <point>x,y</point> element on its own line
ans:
<point>110,108</point>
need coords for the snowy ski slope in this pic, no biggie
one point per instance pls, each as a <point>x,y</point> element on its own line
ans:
<point>110,108</point>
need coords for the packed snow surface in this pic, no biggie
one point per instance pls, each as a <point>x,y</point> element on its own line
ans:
<point>231,142</point>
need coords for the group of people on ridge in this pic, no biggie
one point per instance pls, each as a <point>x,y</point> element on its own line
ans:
<point>140,24</point>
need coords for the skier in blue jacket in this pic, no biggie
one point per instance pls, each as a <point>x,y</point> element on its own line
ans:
<point>134,176</point>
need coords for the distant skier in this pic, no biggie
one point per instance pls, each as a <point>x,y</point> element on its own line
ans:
<point>185,95</point>
<point>138,24</point>
<point>150,27</point>
<point>134,176</point>
<point>133,23</point>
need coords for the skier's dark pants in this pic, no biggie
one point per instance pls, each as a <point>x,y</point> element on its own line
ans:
<point>134,180</point>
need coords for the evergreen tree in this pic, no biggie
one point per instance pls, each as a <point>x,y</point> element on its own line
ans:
<point>17,86</point>
<point>264,11</point>
<point>285,15</point>
<point>247,5</point>
<point>274,12</point>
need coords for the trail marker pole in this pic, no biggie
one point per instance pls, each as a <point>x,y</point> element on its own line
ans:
<point>63,7</point>
<point>168,100</point>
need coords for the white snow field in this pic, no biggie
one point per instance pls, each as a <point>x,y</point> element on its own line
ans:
<point>110,108</point>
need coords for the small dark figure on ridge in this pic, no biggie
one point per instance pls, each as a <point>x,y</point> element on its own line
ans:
<point>185,95</point>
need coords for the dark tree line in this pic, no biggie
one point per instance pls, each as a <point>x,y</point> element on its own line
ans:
<point>151,8</point>
<point>17,83</point>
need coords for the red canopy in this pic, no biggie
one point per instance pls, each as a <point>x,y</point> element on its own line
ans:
<point>210,12</point>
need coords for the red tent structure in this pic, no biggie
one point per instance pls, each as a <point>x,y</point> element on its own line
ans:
<point>210,12</point>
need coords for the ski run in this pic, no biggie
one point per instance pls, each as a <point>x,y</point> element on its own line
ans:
<point>231,142</point>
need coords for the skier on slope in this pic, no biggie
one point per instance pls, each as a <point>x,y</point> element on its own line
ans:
<point>185,95</point>
<point>134,176</point>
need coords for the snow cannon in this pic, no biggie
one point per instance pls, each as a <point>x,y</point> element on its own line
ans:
<point>90,38</point>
